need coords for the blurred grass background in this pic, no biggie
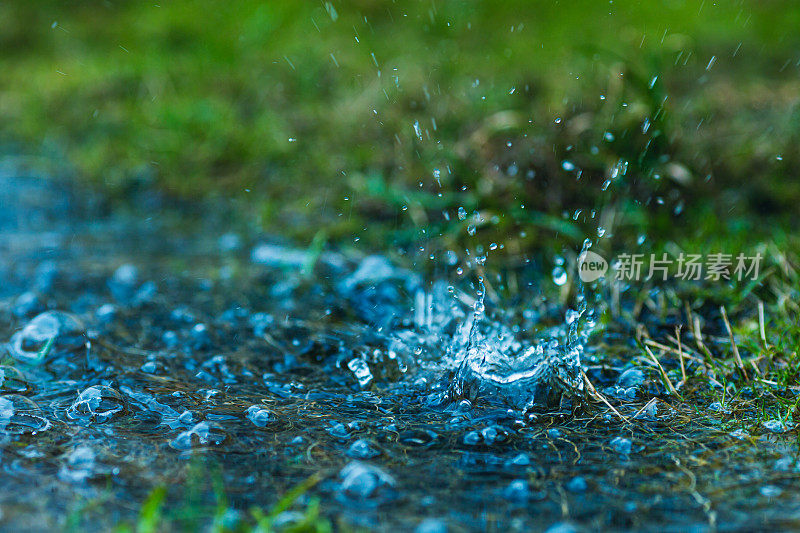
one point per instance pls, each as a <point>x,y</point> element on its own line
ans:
<point>373,119</point>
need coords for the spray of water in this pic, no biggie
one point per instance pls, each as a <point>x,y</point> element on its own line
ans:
<point>496,365</point>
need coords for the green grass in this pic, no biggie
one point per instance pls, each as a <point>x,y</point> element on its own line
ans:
<point>153,515</point>
<point>306,111</point>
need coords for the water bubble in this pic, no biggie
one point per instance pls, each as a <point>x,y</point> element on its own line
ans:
<point>20,415</point>
<point>13,381</point>
<point>170,339</point>
<point>770,491</point>
<point>106,313</point>
<point>201,434</point>
<point>431,525</point>
<point>577,484</point>
<point>493,434</point>
<point>417,437</point>
<point>621,445</point>
<point>363,482</point>
<point>472,438</point>
<point>632,377</point>
<point>259,416</point>
<point>80,465</point>
<point>150,367</point>
<point>27,304</point>
<point>229,242</point>
<point>521,459</point>
<point>200,336</point>
<point>51,334</point>
<point>124,282</point>
<point>517,491</point>
<point>362,449</point>
<point>338,430</point>
<point>98,403</point>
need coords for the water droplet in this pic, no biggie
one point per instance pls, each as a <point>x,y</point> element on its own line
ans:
<point>417,130</point>
<point>559,276</point>
<point>360,368</point>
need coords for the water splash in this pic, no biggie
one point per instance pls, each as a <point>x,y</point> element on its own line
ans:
<point>495,364</point>
<point>498,366</point>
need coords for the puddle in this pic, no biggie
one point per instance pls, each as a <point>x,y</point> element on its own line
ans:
<point>136,350</point>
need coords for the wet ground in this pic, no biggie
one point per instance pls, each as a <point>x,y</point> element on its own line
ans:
<point>149,345</point>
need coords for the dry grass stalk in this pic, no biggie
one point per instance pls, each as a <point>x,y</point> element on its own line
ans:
<point>664,375</point>
<point>735,348</point>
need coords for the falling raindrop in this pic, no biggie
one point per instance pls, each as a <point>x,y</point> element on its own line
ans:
<point>559,276</point>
